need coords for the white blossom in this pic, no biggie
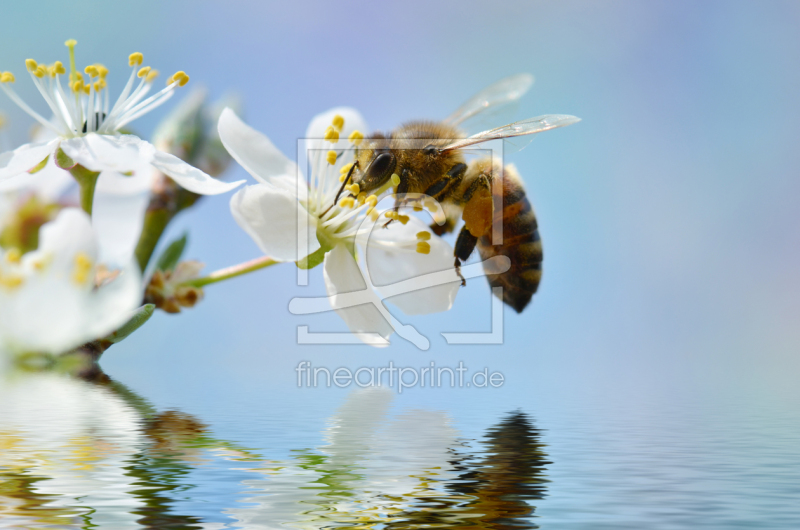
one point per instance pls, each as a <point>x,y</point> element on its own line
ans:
<point>87,128</point>
<point>59,296</point>
<point>283,206</point>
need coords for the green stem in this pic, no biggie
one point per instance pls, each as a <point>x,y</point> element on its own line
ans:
<point>155,222</point>
<point>87,180</point>
<point>232,272</point>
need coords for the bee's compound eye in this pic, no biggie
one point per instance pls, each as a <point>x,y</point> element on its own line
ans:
<point>380,169</point>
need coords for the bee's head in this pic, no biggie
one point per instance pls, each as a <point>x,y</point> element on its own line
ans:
<point>378,167</point>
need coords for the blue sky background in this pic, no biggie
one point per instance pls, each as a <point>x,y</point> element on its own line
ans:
<point>668,215</point>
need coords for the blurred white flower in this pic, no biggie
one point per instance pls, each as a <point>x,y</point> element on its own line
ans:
<point>86,127</point>
<point>58,296</point>
<point>271,210</point>
<point>119,204</point>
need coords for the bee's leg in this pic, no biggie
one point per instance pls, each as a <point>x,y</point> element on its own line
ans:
<point>450,179</point>
<point>446,228</point>
<point>465,244</point>
<point>438,189</point>
<point>478,213</point>
<point>341,188</point>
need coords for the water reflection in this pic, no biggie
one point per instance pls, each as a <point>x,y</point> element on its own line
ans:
<point>406,471</point>
<point>85,451</point>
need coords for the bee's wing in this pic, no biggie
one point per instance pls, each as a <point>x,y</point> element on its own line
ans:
<point>518,128</point>
<point>503,92</point>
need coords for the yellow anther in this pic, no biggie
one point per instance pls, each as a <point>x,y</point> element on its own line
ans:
<point>338,122</point>
<point>355,137</point>
<point>78,76</point>
<point>87,89</point>
<point>58,68</point>
<point>11,281</point>
<point>342,177</point>
<point>77,86</point>
<point>372,200</point>
<point>179,77</point>
<point>151,76</point>
<point>102,71</point>
<point>99,85</point>
<point>13,255</point>
<point>332,135</point>
<point>40,71</point>
<point>31,65</point>
<point>91,70</point>
<point>423,247</point>
<point>354,188</point>
<point>417,208</point>
<point>391,214</point>
<point>346,169</point>
<point>403,218</point>
<point>70,43</point>
<point>347,202</point>
<point>83,266</point>
<point>374,215</point>
<point>135,58</point>
<point>331,157</point>
<point>7,77</point>
<point>41,264</point>
<point>424,235</point>
<point>362,197</point>
<point>144,71</point>
<point>395,179</point>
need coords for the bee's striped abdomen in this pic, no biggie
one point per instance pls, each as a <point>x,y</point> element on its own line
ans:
<point>521,244</point>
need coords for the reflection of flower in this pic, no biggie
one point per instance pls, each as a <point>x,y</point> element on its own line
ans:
<point>88,452</point>
<point>58,296</point>
<point>79,437</point>
<point>87,127</point>
<point>373,468</point>
<point>270,211</point>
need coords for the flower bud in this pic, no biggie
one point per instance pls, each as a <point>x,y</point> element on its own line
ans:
<point>167,289</point>
<point>190,132</point>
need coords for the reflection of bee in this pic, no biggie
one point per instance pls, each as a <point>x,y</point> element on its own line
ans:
<point>425,157</point>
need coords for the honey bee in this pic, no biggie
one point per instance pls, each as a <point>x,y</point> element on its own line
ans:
<point>426,157</point>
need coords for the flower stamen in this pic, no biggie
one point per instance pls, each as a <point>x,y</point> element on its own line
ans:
<point>83,266</point>
<point>87,111</point>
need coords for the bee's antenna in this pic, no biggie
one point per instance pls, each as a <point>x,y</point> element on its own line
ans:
<point>341,188</point>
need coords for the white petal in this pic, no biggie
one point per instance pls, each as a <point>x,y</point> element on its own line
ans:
<point>100,152</point>
<point>391,257</point>
<point>49,311</point>
<point>61,239</point>
<point>189,177</point>
<point>255,152</point>
<point>118,221</point>
<point>353,120</point>
<point>270,216</point>
<point>139,181</point>
<point>50,183</point>
<point>51,314</point>
<point>114,303</point>
<point>25,157</point>
<point>342,275</point>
